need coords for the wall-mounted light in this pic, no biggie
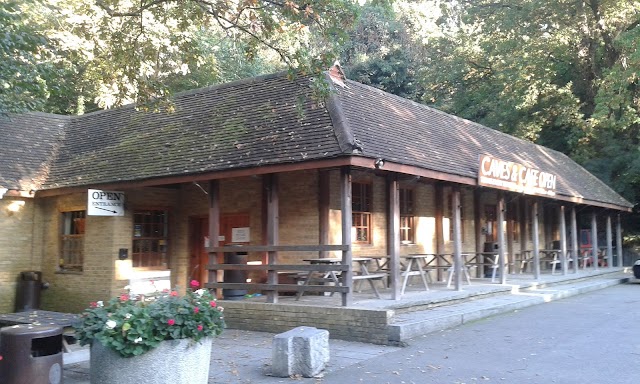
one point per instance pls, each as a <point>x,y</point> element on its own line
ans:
<point>379,163</point>
<point>15,206</point>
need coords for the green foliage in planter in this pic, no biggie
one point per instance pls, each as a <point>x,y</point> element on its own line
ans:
<point>132,325</point>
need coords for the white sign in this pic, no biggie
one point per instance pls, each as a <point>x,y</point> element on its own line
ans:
<point>105,203</point>
<point>515,177</point>
<point>240,235</point>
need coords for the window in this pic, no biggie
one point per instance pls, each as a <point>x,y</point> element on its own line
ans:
<point>361,213</point>
<point>407,219</point>
<point>72,241</point>
<point>150,239</point>
<point>451,218</point>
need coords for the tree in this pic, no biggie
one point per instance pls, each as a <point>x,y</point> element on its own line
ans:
<point>560,73</point>
<point>137,46</point>
<point>381,51</point>
<point>22,49</point>
<point>105,53</point>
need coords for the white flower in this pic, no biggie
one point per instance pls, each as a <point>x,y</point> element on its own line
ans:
<point>201,292</point>
<point>127,287</point>
<point>100,304</point>
<point>128,316</point>
<point>136,341</point>
<point>111,324</point>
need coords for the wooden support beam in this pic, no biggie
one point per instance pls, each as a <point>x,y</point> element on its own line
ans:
<point>214,232</point>
<point>501,242</point>
<point>563,239</point>
<point>394,235</point>
<point>594,239</point>
<point>347,223</point>
<point>535,236</point>
<point>619,241</point>
<point>273,218</point>
<point>609,242</point>
<point>457,239</point>
<point>324,193</point>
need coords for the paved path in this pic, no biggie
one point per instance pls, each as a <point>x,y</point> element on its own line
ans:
<point>507,344</point>
<point>245,357</point>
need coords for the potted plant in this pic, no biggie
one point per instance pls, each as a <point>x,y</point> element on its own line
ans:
<point>168,335</point>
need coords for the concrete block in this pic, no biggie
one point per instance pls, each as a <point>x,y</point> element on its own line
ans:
<point>301,351</point>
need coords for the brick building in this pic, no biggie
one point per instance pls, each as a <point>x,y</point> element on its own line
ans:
<point>262,162</point>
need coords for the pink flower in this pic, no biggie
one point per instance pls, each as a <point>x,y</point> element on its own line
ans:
<point>199,327</point>
<point>213,304</point>
<point>174,293</point>
<point>171,322</point>
<point>166,290</point>
<point>195,284</point>
<point>124,297</point>
<point>196,310</point>
<point>93,304</point>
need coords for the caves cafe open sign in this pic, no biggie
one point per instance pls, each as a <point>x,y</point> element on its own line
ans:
<point>105,203</point>
<point>515,177</point>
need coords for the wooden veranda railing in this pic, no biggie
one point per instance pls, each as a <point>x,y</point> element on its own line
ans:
<point>273,287</point>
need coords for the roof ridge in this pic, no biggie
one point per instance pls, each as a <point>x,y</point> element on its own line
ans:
<point>344,134</point>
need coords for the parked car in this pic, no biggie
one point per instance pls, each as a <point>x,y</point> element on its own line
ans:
<point>636,269</point>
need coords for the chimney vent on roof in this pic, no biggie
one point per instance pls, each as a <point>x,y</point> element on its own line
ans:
<point>337,74</point>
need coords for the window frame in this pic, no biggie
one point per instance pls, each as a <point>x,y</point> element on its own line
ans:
<point>72,239</point>
<point>406,197</point>
<point>361,209</point>
<point>149,251</point>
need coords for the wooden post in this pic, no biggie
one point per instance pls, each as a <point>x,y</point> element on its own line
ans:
<point>594,240</point>
<point>457,238</point>
<point>394,236</point>
<point>536,240</point>
<point>563,240</point>
<point>523,226</point>
<point>347,223</point>
<point>323,210</point>
<point>214,232</point>
<point>501,244</point>
<point>609,242</point>
<point>574,239</point>
<point>619,241</point>
<point>272,231</point>
<point>477,223</point>
<point>510,255</point>
<point>439,204</point>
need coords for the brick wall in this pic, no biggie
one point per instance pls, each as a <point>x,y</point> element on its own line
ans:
<point>16,248</point>
<point>104,236</point>
<point>353,324</point>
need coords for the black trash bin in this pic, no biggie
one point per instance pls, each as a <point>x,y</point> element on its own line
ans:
<point>28,291</point>
<point>490,248</point>
<point>235,276</point>
<point>31,354</point>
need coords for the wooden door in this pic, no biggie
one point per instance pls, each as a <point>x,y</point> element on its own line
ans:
<point>230,224</point>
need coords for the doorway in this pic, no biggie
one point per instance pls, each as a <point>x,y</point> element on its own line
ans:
<point>231,224</point>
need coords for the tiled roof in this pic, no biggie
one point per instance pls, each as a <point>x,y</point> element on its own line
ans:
<point>263,121</point>
<point>260,121</point>
<point>28,143</point>
<point>402,131</point>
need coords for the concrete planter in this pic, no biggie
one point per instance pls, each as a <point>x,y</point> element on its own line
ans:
<point>173,361</point>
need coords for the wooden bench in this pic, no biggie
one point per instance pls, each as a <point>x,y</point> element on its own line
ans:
<point>370,277</point>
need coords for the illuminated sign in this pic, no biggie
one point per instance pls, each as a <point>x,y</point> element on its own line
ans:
<point>515,177</point>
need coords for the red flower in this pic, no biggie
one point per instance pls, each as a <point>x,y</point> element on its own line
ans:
<point>195,284</point>
<point>213,303</point>
<point>196,310</point>
<point>171,321</point>
<point>199,327</point>
<point>124,297</point>
<point>93,304</point>
<point>174,293</point>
